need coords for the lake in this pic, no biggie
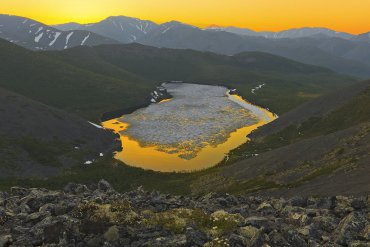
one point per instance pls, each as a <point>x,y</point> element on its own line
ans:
<point>194,130</point>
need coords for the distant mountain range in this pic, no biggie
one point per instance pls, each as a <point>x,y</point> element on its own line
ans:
<point>37,36</point>
<point>341,52</point>
<point>287,34</point>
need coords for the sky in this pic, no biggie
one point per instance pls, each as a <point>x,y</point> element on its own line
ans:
<point>351,16</point>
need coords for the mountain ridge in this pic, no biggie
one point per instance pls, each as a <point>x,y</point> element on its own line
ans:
<point>318,46</point>
<point>38,36</point>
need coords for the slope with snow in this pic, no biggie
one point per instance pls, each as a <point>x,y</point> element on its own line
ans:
<point>121,28</point>
<point>37,36</point>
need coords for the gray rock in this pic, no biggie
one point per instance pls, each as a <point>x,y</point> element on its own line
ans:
<point>97,216</point>
<point>196,237</point>
<point>104,186</point>
<point>6,240</point>
<point>349,228</point>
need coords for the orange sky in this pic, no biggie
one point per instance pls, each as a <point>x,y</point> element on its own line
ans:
<point>351,16</point>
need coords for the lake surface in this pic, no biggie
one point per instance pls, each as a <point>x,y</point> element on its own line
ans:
<point>194,130</point>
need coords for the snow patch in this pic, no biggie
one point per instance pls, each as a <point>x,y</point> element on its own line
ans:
<point>166,30</point>
<point>56,36</point>
<point>257,88</point>
<point>96,125</point>
<point>39,30</point>
<point>85,39</point>
<point>38,37</point>
<point>67,39</point>
<point>88,162</point>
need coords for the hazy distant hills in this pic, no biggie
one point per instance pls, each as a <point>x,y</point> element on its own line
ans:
<point>342,52</point>
<point>37,36</point>
<point>287,34</point>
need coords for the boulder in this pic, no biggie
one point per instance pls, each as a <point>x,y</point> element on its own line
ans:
<point>6,240</point>
<point>104,186</point>
<point>349,228</point>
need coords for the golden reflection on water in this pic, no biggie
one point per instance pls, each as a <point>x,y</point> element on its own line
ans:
<point>150,158</point>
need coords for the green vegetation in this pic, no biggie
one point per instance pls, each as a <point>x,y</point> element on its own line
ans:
<point>216,224</point>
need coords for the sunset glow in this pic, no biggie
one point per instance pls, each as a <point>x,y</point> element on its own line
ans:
<point>272,15</point>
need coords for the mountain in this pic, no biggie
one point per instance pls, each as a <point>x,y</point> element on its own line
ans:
<point>39,140</point>
<point>37,36</point>
<point>320,148</point>
<point>338,51</point>
<point>288,83</point>
<point>234,30</point>
<point>365,37</point>
<point>341,55</point>
<point>121,28</point>
<point>288,34</point>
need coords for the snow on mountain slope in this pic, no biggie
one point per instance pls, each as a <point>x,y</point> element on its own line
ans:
<point>120,28</point>
<point>37,36</point>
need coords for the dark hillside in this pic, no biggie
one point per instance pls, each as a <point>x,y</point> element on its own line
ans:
<point>322,106</point>
<point>36,139</point>
<point>324,152</point>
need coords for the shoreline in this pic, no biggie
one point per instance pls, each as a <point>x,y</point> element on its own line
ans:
<point>149,158</point>
<point>128,110</point>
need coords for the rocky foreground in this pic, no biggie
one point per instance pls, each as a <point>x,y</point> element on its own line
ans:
<point>96,215</point>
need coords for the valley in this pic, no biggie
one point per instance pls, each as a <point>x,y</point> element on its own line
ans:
<point>156,132</point>
<point>121,78</point>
